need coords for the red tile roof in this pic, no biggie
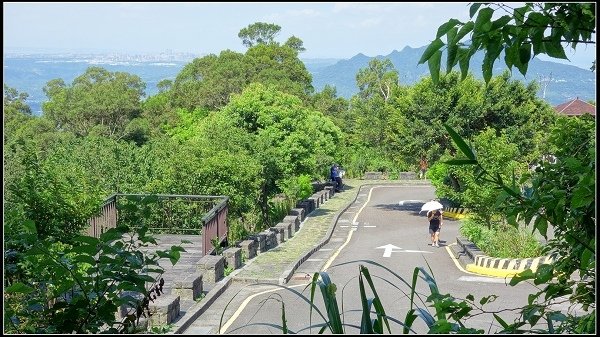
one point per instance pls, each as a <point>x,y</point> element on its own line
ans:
<point>576,107</point>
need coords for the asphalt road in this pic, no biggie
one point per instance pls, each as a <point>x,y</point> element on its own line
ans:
<point>382,227</point>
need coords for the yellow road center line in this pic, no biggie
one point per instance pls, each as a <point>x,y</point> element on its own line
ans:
<point>329,262</point>
<point>337,252</point>
<point>241,308</point>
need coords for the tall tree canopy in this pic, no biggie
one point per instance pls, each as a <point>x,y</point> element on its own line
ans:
<point>259,33</point>
<point>209,82</point>
<point>98,101</point>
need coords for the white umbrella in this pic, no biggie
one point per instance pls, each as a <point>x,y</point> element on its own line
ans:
<point>431,205</point>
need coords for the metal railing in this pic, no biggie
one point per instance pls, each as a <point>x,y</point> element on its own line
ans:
<point>167,214</point>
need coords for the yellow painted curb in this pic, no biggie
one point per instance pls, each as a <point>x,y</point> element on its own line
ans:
<point>471,267</point>
<point>500,267</point>
<point>455,213</point>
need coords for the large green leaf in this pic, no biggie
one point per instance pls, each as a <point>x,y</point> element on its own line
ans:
<point>464,30</point>
<point>541,224</point>
<point>452,58</point>
<point>487,67</point>
<point>443,29</point>
<point>463,61</point>
<point>474,8</point>
<point>90,250</point>
<point>522,276</point>
<point>85,259</point>
<point>483,19</point>
<point>90,240</point>
<point>431,50</point>
<point>525,53</point>
<point>543,274</point>
<point>459,141</point>
<point>501,22</point>
<point>519,14</point>
<point>434,66</point>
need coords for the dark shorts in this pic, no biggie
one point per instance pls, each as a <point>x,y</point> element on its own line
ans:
<point>434,229</point>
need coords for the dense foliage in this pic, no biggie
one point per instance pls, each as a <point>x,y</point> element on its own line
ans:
<point>519,34</point>
<point>559,194</point>
<point>249,126</point>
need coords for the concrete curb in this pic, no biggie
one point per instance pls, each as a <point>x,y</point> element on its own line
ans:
<point>498,267</point>
<point>198,309</point>
<point>288,273</point>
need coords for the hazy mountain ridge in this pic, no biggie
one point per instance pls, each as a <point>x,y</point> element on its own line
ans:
<point>567,82</point>
<point>30,72</point>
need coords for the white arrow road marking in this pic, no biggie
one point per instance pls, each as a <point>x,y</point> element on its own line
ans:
<point>388,249</point>
<point>369,226</point>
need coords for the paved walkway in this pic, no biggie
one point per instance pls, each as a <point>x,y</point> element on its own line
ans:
<point>271,267</point>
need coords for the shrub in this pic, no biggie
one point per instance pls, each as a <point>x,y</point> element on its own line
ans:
<point>502,241</point>
<point>78,287</point>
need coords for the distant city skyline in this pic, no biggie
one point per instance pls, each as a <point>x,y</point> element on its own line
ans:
<point>328,30</point>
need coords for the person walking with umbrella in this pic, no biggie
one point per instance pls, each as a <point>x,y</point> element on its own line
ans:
<point>435,225</point>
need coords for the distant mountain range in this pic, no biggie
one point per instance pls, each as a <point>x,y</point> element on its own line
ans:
<point>30,72</point>
<point>563,82</point>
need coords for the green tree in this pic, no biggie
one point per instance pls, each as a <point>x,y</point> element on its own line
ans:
<point>286,138</point>
<point>158,111</point>
<point>380,78</point>
<point>520,34</point>
<point>259,33</point>
<point>208,82</point>
<point>16,111</point>
<point>508,106</point>
<point>558,194</point>
<point>164,85</point>
<point>461,184</point>
<point>16,100</point>
<point>370,111</point>
<point>295,43</point>
<point>279,66</point>
<point>98,102</point>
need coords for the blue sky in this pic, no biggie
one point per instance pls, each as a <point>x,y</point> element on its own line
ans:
<point>329,30</point>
